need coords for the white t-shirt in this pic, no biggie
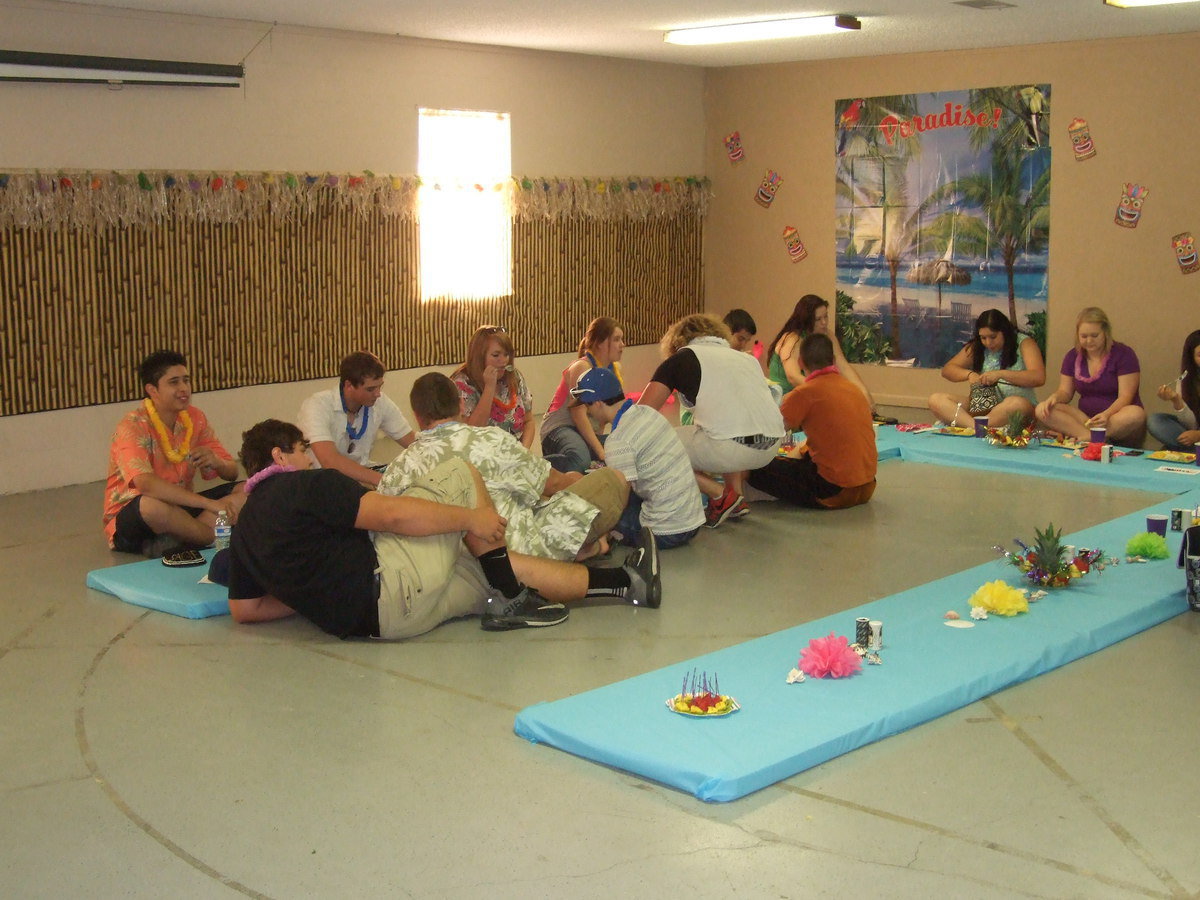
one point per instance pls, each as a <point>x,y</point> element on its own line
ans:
<point>323,419</point>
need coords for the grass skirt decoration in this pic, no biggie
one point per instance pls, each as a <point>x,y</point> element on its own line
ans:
<point>90,200</point>
<point>831,657</point>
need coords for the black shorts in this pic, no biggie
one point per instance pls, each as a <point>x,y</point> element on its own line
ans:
<point>794,480</point>
<point>132,531</point>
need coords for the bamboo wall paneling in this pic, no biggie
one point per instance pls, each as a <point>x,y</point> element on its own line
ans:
<point>277,286</point>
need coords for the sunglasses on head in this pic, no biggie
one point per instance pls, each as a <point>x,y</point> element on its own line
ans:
<point>495,329</point>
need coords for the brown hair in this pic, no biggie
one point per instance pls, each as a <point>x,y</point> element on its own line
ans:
<point>261,439</point>
<point>476,359</point>
<point>599,330</point>
<point>801,321</point>
<point>358,367</point>
<point>434,397</point>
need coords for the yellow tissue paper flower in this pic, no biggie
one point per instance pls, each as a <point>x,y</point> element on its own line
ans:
<point>999,598</point>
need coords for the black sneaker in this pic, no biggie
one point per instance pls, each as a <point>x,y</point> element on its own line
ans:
<point>526,610</point>
<point>645,583</point>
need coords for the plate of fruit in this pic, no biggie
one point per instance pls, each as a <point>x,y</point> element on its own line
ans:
<point>703,705</point>
<point>700,696</point>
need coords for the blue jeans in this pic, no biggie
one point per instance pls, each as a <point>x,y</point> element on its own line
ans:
<point>630,525</point>
<point>1166,429</point>
<point>566,450</point>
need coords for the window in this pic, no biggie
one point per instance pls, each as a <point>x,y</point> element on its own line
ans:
<point>464,161</point>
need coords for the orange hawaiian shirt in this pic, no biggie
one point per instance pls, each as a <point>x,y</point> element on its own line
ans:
<point>135,451</point>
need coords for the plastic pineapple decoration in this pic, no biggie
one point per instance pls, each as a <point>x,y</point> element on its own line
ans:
<point>1014,433</point>
<point>1046,563</point>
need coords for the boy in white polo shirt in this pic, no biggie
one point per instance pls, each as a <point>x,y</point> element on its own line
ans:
<point>646,450</point>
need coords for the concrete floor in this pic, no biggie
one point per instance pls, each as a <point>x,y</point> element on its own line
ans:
<point>147,755</point>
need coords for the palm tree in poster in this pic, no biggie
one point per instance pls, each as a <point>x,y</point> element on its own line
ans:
<point>871,186</point>
<point>1024,120</point>
<point>1014,212</point>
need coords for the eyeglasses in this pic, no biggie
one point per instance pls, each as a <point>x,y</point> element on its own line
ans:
<point>494,329</point>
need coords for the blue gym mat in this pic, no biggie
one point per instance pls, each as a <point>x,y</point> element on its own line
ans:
<point>928,669</point>
<point>1134,472</point>
<point>155,586</point>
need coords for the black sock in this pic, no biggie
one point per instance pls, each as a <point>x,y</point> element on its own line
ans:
<point>497,569</point>
<point>611,582</point>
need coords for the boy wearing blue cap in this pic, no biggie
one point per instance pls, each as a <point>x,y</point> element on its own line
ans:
<point>644,447</point>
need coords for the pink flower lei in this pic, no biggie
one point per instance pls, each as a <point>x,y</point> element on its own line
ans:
<point>1081,366</point>
<point>259,477</point>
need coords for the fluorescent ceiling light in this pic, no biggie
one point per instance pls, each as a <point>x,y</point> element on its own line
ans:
<point>762,31</point>
<point>1130,4</point>
<point>63,68</point>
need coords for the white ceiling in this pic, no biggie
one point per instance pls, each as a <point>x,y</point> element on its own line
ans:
<point>633,29</point>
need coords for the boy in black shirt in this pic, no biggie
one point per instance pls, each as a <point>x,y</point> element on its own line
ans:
<point>360,564</point>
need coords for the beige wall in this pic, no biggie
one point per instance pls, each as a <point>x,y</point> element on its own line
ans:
<point>313,101</point>
<point>1135,94</point>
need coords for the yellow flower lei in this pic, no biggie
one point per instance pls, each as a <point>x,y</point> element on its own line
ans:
<point>164,439</point>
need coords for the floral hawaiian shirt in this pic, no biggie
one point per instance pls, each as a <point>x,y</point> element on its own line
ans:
<point>554,528</point>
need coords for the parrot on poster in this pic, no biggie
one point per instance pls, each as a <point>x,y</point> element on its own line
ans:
<point>1033,101</point>
<point>847,122</point>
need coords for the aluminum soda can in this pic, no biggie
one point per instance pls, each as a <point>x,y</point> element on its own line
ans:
<point>1177,519</point>
<point>862,631</point>
<point>876,635</point>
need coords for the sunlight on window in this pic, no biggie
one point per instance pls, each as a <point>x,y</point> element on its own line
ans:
<point>465,164</point>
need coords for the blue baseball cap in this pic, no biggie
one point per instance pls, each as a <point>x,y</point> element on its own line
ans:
<point>597,384</point>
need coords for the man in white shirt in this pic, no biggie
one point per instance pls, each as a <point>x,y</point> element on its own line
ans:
<point>341,423</point>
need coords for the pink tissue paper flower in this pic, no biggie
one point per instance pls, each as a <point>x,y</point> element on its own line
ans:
<point>829,656</point>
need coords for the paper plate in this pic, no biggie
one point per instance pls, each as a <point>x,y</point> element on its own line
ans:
<point>1177,456</point>
<point>950,431</point>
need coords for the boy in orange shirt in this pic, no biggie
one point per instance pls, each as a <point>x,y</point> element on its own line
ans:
<point>150,506</point>
<point>837,466</point>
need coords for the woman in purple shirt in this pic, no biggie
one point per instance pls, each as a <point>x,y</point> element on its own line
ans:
<point>1106,375</point>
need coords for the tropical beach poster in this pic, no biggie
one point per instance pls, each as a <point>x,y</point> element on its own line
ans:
<point>943,211</point>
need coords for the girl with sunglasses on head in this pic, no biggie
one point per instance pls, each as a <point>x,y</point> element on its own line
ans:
<point>493,391</point>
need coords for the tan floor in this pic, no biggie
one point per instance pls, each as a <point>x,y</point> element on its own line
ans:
<point>147,755</point>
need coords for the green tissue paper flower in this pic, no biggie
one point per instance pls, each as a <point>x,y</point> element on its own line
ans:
<point>1148,545</point>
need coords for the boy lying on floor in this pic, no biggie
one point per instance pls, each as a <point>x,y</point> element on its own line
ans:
<point>360,564</point>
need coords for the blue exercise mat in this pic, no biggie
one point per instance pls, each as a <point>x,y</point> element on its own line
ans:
<point>928,669</point>
<point>155,586</point>
<point>1134,472</point>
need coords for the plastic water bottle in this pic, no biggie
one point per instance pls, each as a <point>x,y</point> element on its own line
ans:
<point>222,530</point>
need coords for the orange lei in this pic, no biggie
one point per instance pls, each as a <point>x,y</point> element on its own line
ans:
<point>164,439</point>
<point>512,398</point>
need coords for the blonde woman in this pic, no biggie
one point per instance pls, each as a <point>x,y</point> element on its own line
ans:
<point>738,425</point>
<point>1106,376</point>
